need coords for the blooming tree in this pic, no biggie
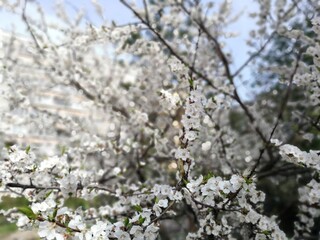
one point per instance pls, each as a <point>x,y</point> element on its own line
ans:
<point>169,155</point>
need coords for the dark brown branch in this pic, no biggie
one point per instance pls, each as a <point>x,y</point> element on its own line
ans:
<point>42,219</point>
<point>146,10</point>
<point>79,187</point>
<point>256,54</point>
<point>196,51</point>
<point>225,62</point>
<point>171,50</point>
<point>215,208</point>
<point>253,56</point>
<point>279,117</point>
<point>164,212</point>
<point>283,171</point>
<point>32,186</point>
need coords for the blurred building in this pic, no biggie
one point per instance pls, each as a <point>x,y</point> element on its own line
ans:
<point>26,89</point>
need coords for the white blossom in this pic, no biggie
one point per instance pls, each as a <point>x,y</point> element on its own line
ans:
<point>206,146</point>
<point>68,185</point>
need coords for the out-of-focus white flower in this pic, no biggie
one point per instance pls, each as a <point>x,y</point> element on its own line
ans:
<point>276,142</point>
<point>68,185</point>
<point>163,203</point>
<point>50,231</point>
<point>206,146</point>
<point>151,232</point>
<point>182,153</point>
<point>77,223</point>
<point>194,184</point>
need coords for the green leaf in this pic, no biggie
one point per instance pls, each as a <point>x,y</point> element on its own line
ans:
<point>185,181</point>
<point>248,180</point>
<point>191,82</point>
<point>28,149</point>
<point>50,218</point>
<point>141,220</point>
<point>207,177</point>
<point>54,214</point>
<point>266,232</point>
<point>126,222</point>
<point>28,212</point>
<point>138,208</point>
<point>47,194</point>
<point>112,220</point>
<point>222,193</point>
<point>63,150</point>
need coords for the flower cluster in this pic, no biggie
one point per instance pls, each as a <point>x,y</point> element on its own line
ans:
<point>142,131</point>
<point>294,155</point>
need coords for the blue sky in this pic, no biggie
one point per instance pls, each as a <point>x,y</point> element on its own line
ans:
<point>115,11</point>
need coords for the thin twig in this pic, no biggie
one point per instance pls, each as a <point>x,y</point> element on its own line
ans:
<point>25,19</point>
<point>279,116</point>
<point>172,51</point>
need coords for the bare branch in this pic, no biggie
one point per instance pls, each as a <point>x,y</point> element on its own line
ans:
<point>172,51</point>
